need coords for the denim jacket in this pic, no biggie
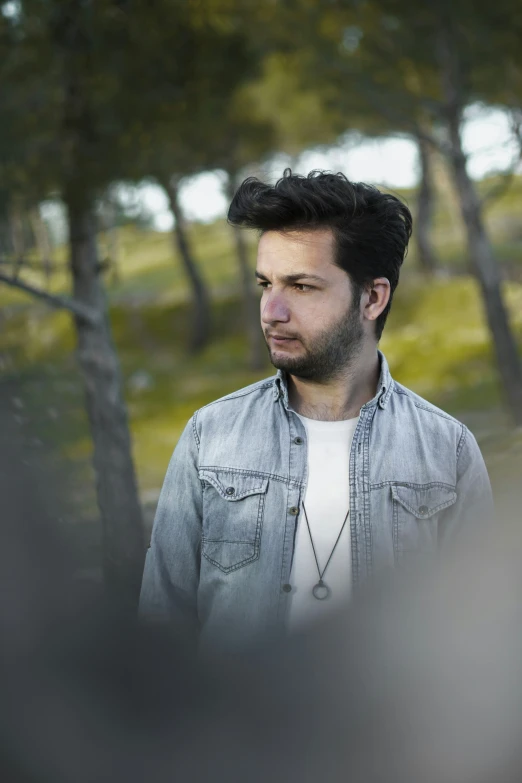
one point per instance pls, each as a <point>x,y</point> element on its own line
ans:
<point>223,538</point>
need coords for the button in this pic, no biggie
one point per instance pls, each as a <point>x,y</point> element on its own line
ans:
<point>423,510</point>
<point>298,441</point>
<point>230,491</point>
<point>287,588</point>
<point>294,511</point>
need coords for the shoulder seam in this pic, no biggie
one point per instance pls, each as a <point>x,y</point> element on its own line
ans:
<point>462,440</point>
<point>194,428</point>
<point>429,409</point>
<point>239,393</point>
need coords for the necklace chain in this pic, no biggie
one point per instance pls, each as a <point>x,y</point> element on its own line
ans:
<point>321,584</point>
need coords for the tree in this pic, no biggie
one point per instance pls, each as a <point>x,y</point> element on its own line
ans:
<point>209,131</point>
<point>43,242</point>
<point>190,134</point>
<point>200,332</point>
<point>425,205</point>
<point>243,137</point>
<point>430,62</point>
<point>85,87</point>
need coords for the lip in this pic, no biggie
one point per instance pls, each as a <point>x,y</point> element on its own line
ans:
<point>280,339</point>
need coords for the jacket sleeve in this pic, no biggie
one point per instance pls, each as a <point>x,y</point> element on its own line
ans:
<point>171,575</point>
<point>473,511</point>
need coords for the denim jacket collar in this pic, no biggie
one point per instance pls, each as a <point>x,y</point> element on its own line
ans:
<point>384,387</point>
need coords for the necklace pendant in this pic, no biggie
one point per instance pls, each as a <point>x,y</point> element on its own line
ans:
<point>321,591</point>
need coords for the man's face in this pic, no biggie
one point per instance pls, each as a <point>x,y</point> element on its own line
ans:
<point>312,326</point>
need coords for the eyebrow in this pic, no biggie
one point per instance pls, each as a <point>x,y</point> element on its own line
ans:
<point>294,278</point>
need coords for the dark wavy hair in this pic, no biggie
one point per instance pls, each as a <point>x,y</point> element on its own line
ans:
<point>371,229</point>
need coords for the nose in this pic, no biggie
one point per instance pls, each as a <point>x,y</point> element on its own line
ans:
<point>274,309</point>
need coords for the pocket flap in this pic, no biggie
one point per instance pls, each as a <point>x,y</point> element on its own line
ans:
<point>424,500</point>
<point>234,486</point>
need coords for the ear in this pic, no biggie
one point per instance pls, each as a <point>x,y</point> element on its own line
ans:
<point>376,299</point>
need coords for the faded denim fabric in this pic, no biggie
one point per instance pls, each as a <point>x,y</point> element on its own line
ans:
<point>223,538</point>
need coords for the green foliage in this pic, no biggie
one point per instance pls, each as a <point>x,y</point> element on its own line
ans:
<point>378,67</point>
<point>93,93</point>
<point>301,116</point>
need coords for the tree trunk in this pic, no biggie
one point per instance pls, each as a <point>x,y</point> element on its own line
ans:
<point>108,218</point>
<point>122,526</point>
<point>488,274</point>
<point>17,233</point>
<point>114,253</point>
<point>480,250</point>
<point>425,205</point>
<point>42,242</point>
<point>249,299</point>
<point>250,304</point>
<point>4,240</point>
<point>200,332</point>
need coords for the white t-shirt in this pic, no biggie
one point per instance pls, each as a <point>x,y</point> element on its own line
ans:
<point>327,501</point>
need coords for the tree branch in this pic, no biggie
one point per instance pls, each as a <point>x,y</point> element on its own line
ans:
<point>24,264</point>
<point>84,312</point>
<point>409,125</point>
<point>401,120</point>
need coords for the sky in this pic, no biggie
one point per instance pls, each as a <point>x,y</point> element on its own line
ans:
<point>389,162</point>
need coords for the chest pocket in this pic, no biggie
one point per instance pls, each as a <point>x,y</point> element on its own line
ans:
<point>416,514</point>
<point>233,507</point>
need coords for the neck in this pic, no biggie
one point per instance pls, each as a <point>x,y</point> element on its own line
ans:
<point>341,397</point>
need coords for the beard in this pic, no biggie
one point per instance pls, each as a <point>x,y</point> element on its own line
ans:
<point>328,354</point>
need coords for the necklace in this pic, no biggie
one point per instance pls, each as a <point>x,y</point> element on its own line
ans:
<point>321,590</point>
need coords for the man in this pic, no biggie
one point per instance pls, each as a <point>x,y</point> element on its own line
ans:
<point>283,497</point>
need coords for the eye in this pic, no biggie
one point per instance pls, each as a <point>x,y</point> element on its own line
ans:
<point>302,287</point>
<point>263,283</point>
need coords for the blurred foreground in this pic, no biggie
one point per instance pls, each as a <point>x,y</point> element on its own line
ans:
<point>421,681</point>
